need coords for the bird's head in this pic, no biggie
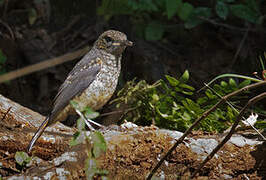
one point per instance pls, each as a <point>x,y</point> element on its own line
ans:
<point>113,42</point>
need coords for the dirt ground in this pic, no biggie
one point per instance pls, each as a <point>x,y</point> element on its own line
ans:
<point>131,154</point>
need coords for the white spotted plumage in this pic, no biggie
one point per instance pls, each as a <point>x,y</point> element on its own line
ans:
<point>91,82</point>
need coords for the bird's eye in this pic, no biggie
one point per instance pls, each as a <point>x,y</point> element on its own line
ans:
<point>108,39</point>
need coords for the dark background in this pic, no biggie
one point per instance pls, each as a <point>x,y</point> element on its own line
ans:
<point>32,31</point>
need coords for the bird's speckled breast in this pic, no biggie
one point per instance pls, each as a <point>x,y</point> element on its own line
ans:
<point>103,87</point>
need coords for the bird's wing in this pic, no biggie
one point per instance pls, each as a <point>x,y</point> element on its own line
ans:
<point>76,82</point>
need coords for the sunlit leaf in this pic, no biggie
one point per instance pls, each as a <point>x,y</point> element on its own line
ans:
<point>232,82</point>
<point>22,158</point>
<point>173,81</point>
<point>185,86</point>
<point>244,83</point>
<point>224,84</point>
<point>32,17</point>
<point>185,76</point>
<point>90,114</point>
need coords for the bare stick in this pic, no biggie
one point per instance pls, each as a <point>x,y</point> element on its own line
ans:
<point>240,47</point>
<point>8,28</point>
<point>43,65</point>
<point>4,117</point>
<point>205,114</point>
<point>227,25</point>
<point>219,146</point>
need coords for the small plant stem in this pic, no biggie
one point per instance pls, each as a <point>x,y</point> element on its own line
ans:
<point>258,132</point>
<point>88,121</point>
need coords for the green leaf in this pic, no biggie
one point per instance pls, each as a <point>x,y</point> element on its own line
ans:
<point>186,116</point>
<point>260,124</point>
<point>185,86</point>
<point>185,76</point>
<point>22,158</point>
<point>78,138</point>
<point>99,144</point>
<point>90,114</point>
<point>160,113</point>
<point>187,93</point>
<point>81,124</point>
<point>178,89</point>
<point>32,17</point>
<point>155,97</point>
<point>244,83</point>
<point>75,105</point>
<point>202,100</point>
<point>232,82</point>
<point>173,81</point>
<point>224,84</point>
<point>222,9</point>
<point>209,94</point>
<point>172,6</point>
<point>154,31</point>
<point>244,12</point>
<point>185,12</point>
<point>195,20</point>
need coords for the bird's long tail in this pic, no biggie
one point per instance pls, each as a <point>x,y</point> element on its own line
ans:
<point>38,134</point>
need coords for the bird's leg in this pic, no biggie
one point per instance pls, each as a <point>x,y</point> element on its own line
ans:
<point>88,121</point>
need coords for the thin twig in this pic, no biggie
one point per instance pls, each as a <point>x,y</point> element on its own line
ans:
<point>43,65</point>
<point>261,135</point>
<point>227,25</point>
<point>4,117</point>
<point>230,104</point>
<point>205,114</point>
<point>240,47</point>
<point>116,112</point>
<point>219,146</point>
<point>8,28</point>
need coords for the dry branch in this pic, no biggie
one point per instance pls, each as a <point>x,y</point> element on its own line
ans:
<point>43,65</point>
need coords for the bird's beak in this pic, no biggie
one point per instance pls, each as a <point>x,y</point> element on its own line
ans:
<point>128,43</point>
<point>125,43</point>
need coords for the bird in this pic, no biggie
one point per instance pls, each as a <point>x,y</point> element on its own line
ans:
<point>91,82</point>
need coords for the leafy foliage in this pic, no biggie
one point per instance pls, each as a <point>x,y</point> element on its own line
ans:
<point>95,149</point>
<point>172,103</point>
<point>152,17</point>
<point>22,158</point>
<point>95,142</point>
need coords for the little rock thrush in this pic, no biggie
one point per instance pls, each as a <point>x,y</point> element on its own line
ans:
<point>91,82</point>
